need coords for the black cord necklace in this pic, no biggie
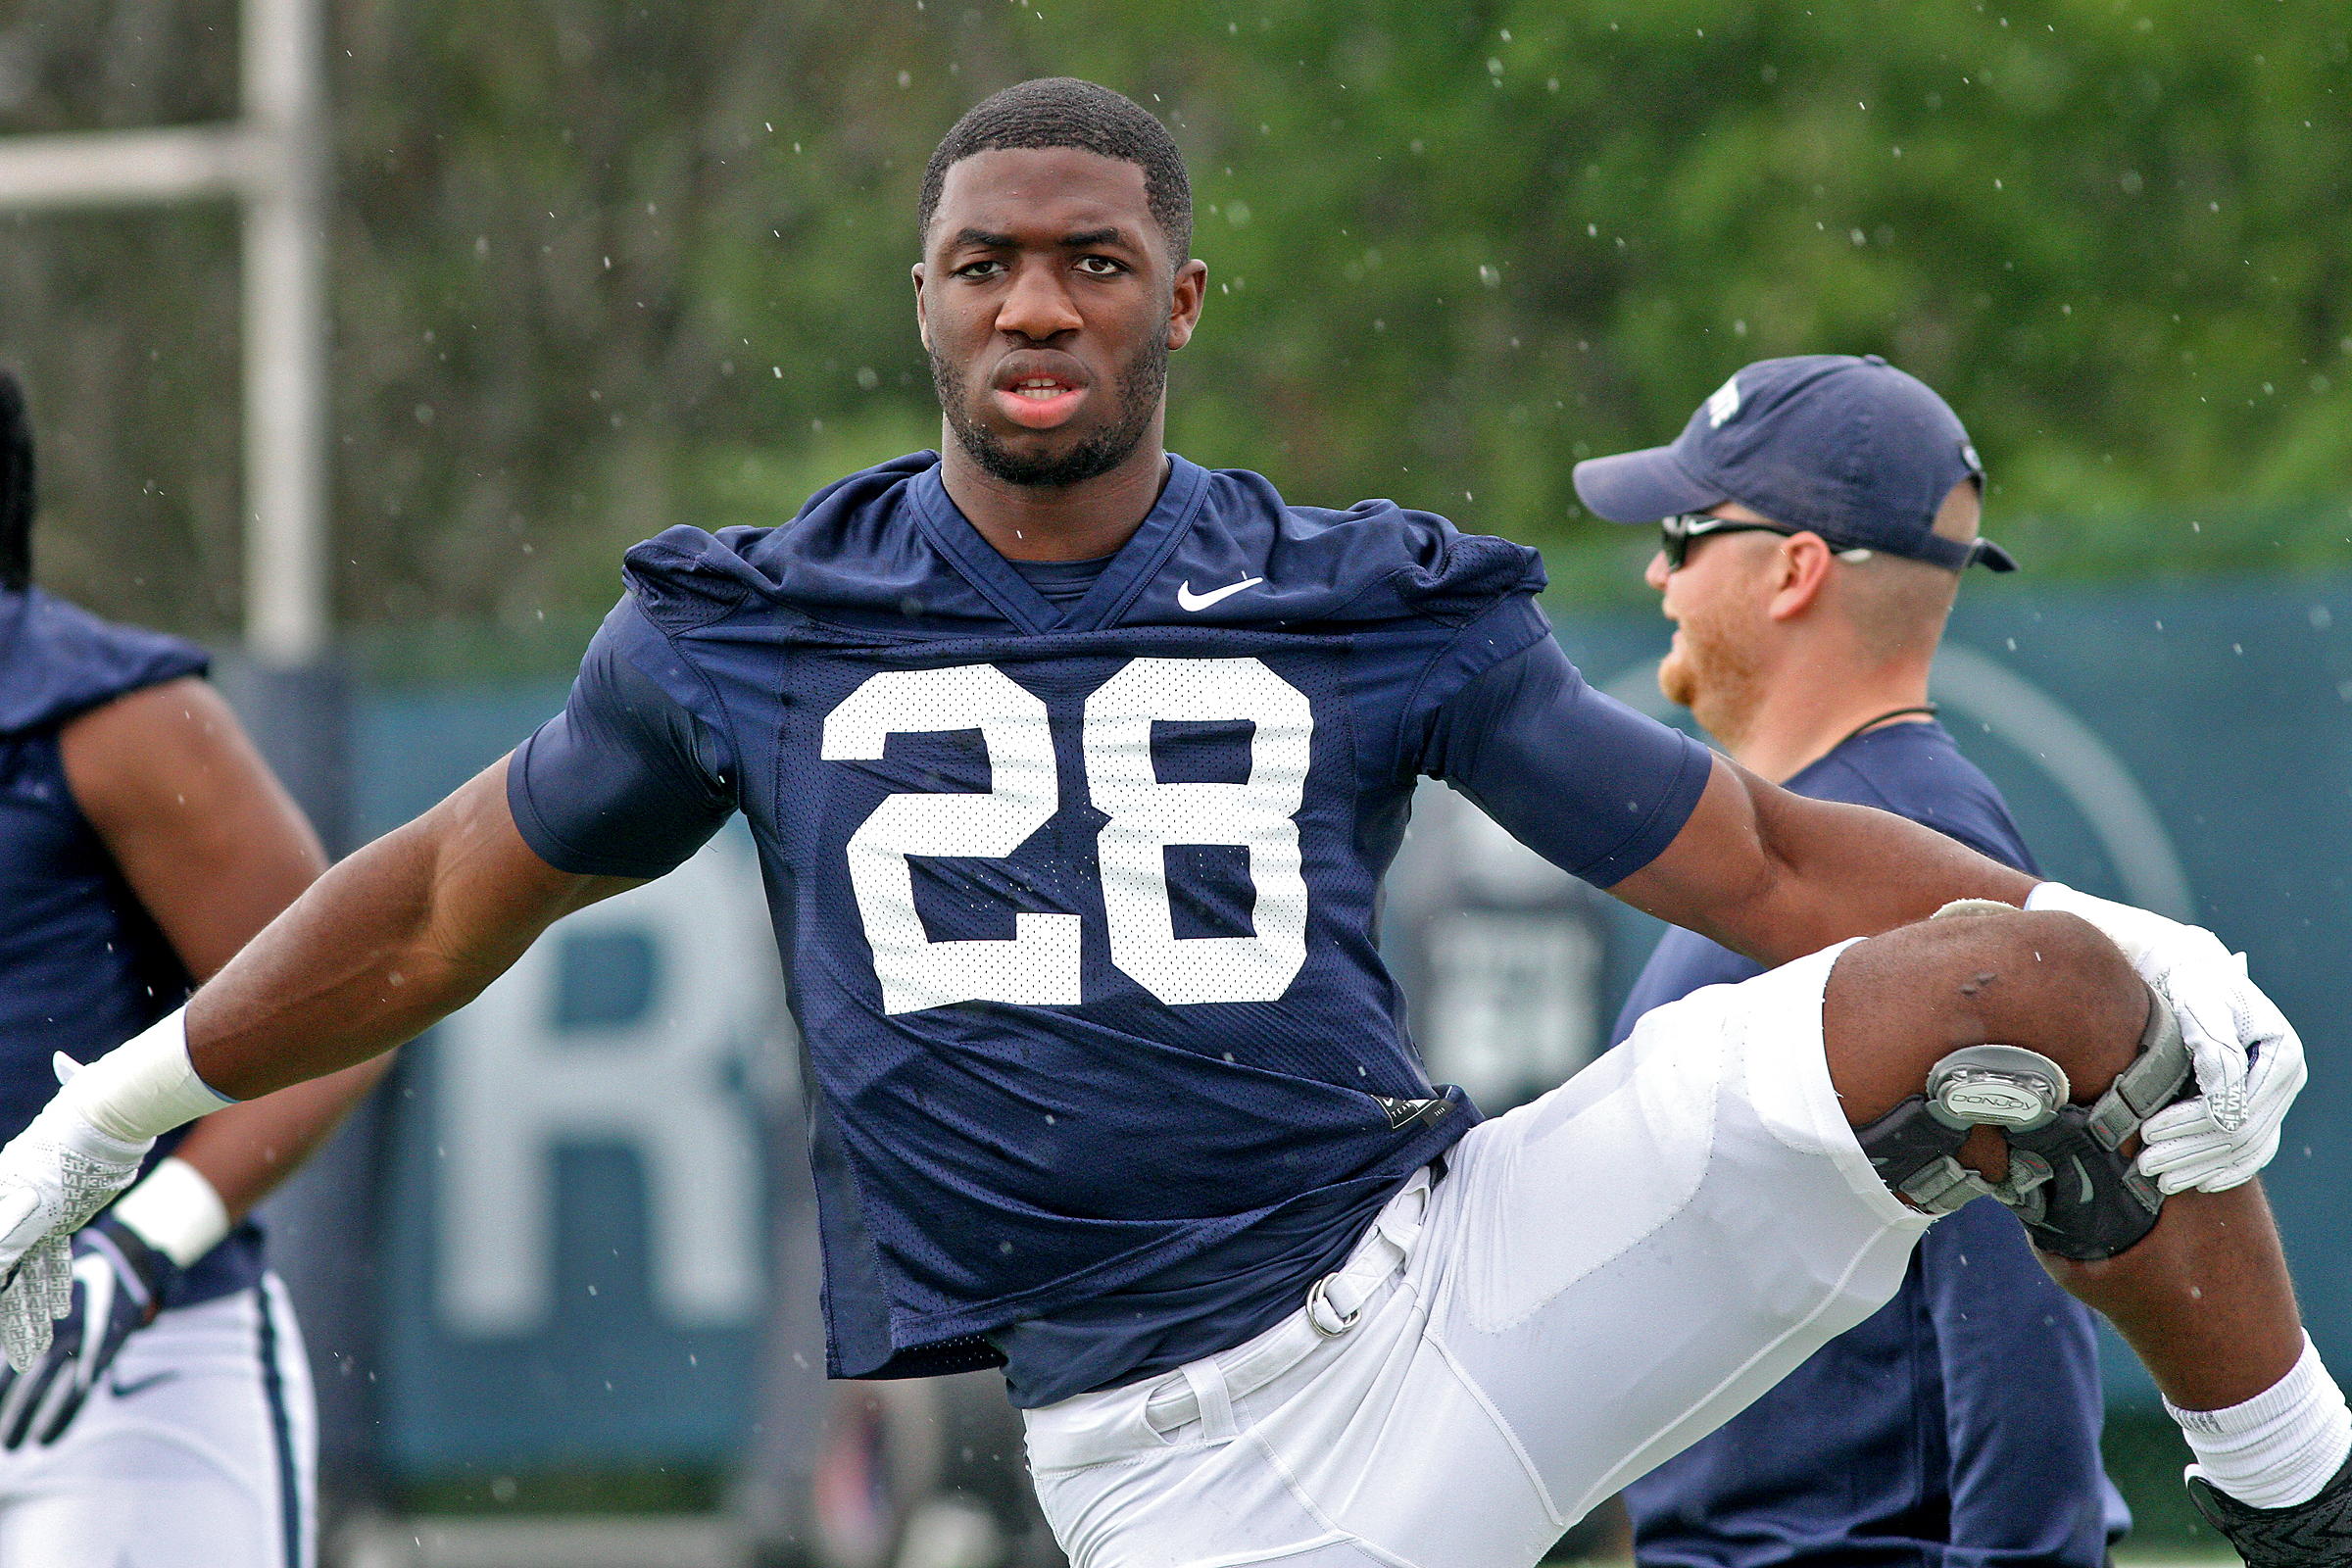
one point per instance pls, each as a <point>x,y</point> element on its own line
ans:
<point>1928,708</point>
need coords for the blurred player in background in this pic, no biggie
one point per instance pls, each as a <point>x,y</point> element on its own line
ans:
<point>142,842</point>
<point>1817,514</point>
<point>1073,768</point>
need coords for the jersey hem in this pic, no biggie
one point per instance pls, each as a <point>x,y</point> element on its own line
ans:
<point>913,1334</point>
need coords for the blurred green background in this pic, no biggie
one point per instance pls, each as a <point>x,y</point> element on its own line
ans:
<point>602,266</point>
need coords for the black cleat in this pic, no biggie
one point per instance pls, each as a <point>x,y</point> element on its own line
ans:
<point>2315,1534</point>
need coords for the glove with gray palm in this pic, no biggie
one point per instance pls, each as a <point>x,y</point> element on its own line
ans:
<point>55,1176</point>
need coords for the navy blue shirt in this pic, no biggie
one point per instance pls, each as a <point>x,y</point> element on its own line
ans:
<point>1075,880</point>
<point>1959,1424</point>
<point>82,966</point>
<point>1062,582</point>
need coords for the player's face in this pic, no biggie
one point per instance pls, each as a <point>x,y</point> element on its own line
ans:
<point>1716,600</point>
<point>1049,304</point>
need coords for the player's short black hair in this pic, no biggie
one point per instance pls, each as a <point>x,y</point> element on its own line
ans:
<point>1066,112</point>
<point>16,486</point>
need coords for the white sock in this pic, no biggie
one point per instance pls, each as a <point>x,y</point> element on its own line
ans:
<point>2279,1447</point>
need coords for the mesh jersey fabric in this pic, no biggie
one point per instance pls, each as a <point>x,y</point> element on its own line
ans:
<point>82,966</point>
<point>1077,899</point>
<point>1960,1423</point>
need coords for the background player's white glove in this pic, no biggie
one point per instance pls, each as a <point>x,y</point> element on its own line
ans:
<point>119,1284</point>
<point>54,1176</point>
<point>2248,1058</point>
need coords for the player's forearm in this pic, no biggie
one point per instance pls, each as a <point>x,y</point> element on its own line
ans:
<point>1848,871</point>
<point>349,971</point>
<point>1775,875</point>
<point>392,940</point>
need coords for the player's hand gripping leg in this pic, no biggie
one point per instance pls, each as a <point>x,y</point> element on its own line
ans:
<point>2203,1295</point>
<point>2248,1058</point>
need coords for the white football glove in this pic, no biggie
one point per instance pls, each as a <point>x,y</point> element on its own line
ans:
<point>2214,1143</point>
<point>2248,1059</point>
<point>54,1176</point>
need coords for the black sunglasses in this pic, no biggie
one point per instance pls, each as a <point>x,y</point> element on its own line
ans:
<point>1674,533</point>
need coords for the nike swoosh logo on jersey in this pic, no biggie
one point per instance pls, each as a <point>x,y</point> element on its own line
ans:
<point>123,1391</point>
<point>1186,598</point>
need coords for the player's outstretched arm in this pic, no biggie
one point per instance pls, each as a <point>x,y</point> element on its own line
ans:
<point>1776,875</point>
<point>391,941</point>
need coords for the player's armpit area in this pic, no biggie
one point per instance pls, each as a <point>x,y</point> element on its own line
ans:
<point>1776,876</point>
<point>200,829</point>
<point>404,932</point>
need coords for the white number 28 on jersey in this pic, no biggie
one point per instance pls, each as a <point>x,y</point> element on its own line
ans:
<point>1039,964</point>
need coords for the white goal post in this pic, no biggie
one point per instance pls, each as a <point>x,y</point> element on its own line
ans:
<point>272,162</point>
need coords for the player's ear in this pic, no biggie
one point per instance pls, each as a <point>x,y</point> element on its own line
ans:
<point>1184,300</point>
<point>922,321</point>
<point>1801,565</point>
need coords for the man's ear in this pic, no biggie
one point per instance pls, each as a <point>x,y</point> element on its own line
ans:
<point>1184,300</point>
<point>922,322</point>
<point>1802,563</point>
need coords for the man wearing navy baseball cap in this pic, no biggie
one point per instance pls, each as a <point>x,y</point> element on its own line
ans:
<point>1817,514</point>
<point>1852,449</point>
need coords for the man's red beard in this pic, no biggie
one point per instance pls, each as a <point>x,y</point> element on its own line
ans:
<point>1713,672</point>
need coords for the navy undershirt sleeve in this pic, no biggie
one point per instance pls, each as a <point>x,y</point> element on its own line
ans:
<point>1062,582</point>
<point>627,780</point>
<point>1578,777</point>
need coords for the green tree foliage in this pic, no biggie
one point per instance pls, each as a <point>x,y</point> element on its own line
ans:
<point>602,267</point>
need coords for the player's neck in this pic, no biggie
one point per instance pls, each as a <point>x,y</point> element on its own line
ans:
<point>1082,522</point>
<point>1802,716</point>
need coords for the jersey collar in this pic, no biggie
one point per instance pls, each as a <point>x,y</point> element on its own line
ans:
<point>1137,562</point>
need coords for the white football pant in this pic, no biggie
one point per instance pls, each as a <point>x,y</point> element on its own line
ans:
<point>1598,1278</point>
<point>197,1450</point>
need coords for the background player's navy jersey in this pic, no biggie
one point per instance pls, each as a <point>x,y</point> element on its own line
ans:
<point>1077,891</point>
<point>1958,1424</point>
<point>82,968</point>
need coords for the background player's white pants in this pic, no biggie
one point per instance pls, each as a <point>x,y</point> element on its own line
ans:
<point>1602,1277</point>
<point>197,1452</point>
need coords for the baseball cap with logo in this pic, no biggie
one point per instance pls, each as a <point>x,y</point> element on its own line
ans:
<point>1852,449</point>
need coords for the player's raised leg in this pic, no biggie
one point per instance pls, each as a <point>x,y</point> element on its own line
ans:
<point>2198,1286</point>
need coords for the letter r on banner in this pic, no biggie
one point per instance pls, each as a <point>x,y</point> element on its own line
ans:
<point>630,1023</point>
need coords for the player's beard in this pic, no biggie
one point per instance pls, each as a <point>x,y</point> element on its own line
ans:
<point>1140,388</point>
<point>1713,671</point>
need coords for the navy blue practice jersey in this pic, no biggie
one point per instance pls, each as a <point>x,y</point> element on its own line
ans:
<point>82,966</point>
<point>1076,882</point>
<point>1958,1423</point>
